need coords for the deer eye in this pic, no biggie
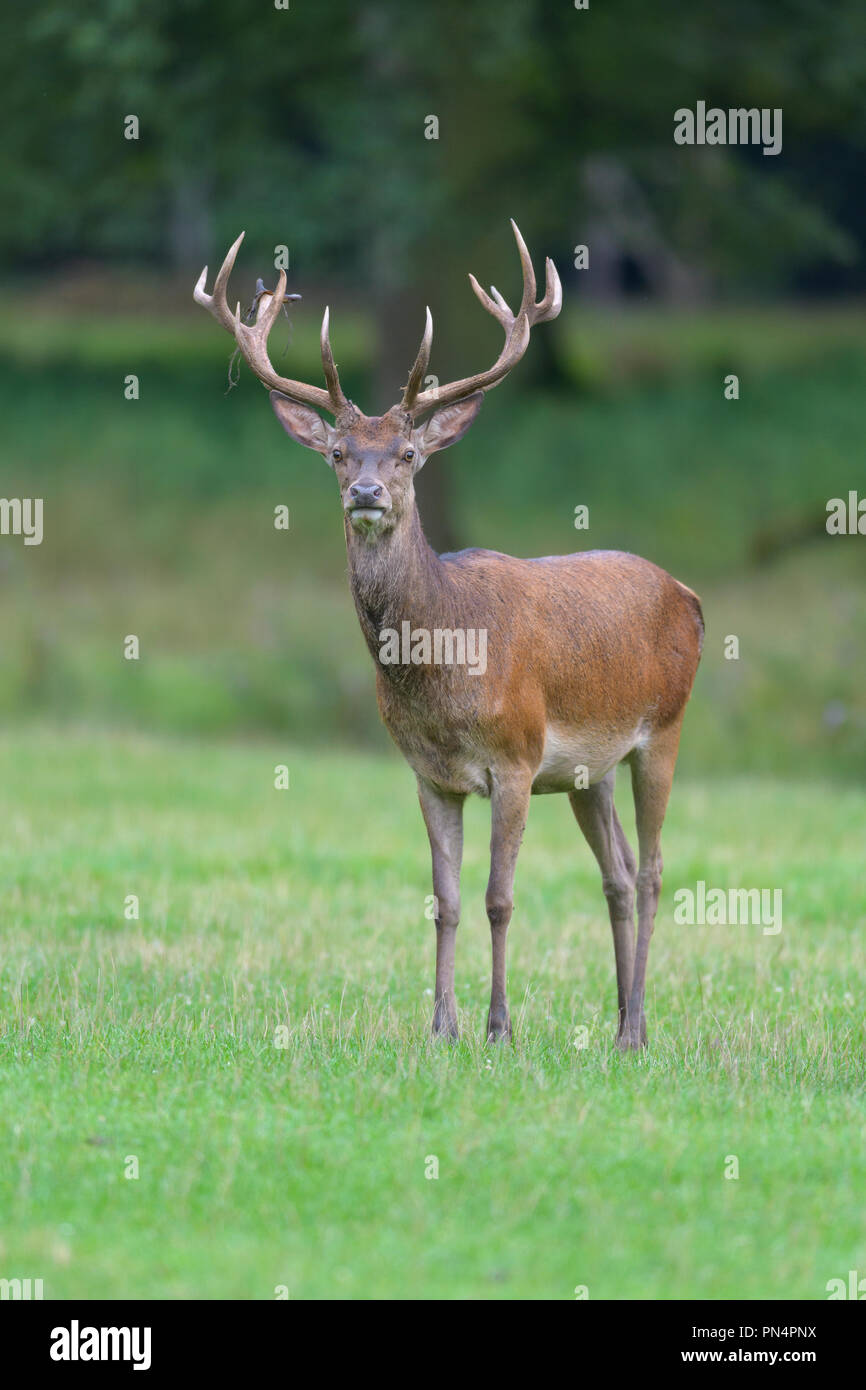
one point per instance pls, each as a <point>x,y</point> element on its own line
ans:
<point>337,455</point>
<point>409,455</point>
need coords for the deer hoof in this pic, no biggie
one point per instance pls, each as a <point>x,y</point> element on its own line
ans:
<point>445,1027</point>
<point>632,1038</point>
<point>498,1028</point>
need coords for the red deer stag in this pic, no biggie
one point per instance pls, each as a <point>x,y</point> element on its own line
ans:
<point>580,661</point>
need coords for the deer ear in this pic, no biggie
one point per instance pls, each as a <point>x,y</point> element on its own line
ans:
<point>448,425</point>
<point>303,424</point>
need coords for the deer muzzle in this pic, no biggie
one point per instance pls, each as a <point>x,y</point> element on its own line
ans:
<point>366,503</point>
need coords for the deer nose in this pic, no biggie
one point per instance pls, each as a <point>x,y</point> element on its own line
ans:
<point>363,493</point>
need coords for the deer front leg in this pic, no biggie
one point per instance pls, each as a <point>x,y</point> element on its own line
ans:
<point>509,808</point>
<point>443,816</point>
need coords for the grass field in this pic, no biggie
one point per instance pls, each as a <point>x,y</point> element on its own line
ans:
<point>304,1165</point>
<point>154,1040</point>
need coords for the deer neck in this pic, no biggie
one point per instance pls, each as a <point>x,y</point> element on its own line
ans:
<point>397,579</point>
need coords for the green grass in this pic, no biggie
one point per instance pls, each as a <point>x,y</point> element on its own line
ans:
<point>304,1165</point>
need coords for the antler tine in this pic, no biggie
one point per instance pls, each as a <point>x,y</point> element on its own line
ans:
<point>494,304</point>
<point>329,366</point>
<point>527,303</point>
<point>422,362</point>
<point>545,309</point>
<point>552,302</point>
<point>216,303</point>
<point>516,327</point>
<point>252,339</point>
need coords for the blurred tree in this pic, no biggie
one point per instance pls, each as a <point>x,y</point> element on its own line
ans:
<point>307,125</point>
<point>320,110</point>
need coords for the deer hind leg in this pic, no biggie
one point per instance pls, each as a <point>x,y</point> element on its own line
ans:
<point>509,808</point>
<point>652,771</point>
<point>596,815</point>
<point>443,816</point>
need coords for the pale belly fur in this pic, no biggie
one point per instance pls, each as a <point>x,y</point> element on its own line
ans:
<point>571,758</point>
<point>575,757</point>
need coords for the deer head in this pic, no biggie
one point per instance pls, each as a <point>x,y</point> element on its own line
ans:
<point>375,457</point>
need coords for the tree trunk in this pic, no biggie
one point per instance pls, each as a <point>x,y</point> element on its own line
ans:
<point>189,227</point>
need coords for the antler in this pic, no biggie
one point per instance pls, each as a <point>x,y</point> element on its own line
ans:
<point>252,339</point>
<point>517,327</point>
